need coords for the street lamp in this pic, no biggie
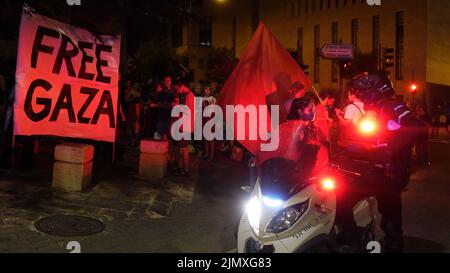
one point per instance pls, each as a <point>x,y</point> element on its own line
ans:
<point>413,89</point>
<point>189,36</point>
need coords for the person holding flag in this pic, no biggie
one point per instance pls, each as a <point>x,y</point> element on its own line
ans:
<point>266,75</point>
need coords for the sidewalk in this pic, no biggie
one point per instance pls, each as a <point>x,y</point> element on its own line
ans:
<point>117,193</point>
<point>443,137</point>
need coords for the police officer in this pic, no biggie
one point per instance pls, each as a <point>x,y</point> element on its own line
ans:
<point>401,129</point>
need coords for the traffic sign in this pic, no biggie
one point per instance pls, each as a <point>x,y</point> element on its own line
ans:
<point>337,51</point>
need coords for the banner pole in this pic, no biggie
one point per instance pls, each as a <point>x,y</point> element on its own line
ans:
<point>113,152</point>
<point>317,94</point>
<point>13,152</point>
<point>330,152</point>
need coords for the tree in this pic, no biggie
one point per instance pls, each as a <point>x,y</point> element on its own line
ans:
<point>153,59</point>
<point>362,62</point>
<point>220,63</point>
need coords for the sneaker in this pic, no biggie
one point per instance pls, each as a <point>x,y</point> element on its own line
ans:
<point>181,173</point>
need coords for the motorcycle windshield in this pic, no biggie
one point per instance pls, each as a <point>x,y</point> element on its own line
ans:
<point>280,171</point>
<point>289,135</point>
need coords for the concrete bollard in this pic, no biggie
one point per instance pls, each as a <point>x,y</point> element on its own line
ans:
<point>153,158</point>
<point>72,169</point>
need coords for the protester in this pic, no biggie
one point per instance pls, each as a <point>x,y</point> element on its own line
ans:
<point>323,121</point>
<point>209,146</point>
<point>296,91</point>
<point>447,114</point>
<point>421,146</point>
<point>314,146</point>
<point>121,132</point>
<point>219,88</point>
<point>348,120</point>
<point>168,85</point>
<point>420,112</point>
<point>149,109</point>
<point>443,117</point>
<point>353,112</point>
<point>132,112</point>
<point>3,99</point>
<point>436,121</point>
<point>7,131</point>
<point>184,76</point>
<point>199,88</point>
<point>184,97</point>
<point>3,107</point>
<point>164,100</point>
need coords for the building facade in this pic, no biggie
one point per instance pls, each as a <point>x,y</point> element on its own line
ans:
<point>418,31</point>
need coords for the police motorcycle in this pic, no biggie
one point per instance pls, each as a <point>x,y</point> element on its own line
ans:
<point>292,209</point>
<point>392,130</point>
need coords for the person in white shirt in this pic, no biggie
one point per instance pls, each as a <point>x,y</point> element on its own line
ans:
<point>209,147</point>
<point>353,112</point>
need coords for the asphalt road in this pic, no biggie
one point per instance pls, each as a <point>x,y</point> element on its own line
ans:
<point>427,204</point>
<point>206,223</point>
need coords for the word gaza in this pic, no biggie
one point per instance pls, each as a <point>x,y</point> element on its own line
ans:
<point>66,53</point>
<point>65,102</point>
<point>74,2</point>
<point>373,2</point>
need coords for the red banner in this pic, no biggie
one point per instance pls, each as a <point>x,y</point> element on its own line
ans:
<point>66,81</point>
<point>266,75</point>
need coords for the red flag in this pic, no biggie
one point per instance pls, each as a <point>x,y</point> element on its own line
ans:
<point>266,75</point>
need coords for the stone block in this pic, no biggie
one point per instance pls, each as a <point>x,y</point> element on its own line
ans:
<point>154,146</point>
<point>72,177</point>
<point>153,158</point>
<point>74,153</point>
<point>72,169</point>
<point>153,165</point>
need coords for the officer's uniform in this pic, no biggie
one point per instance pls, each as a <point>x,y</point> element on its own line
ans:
<point>387,183</point>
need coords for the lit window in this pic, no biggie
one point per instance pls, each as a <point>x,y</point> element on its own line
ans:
<point>317,53</point>
<point>399,43</point>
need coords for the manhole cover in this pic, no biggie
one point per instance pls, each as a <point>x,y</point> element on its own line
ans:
<point>69,226</point>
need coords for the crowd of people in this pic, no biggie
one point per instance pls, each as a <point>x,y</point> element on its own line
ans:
<point>438,119</point>
<point>146,113</point>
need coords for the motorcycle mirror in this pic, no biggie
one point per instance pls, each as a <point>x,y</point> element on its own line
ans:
<point>251,163</point>
<point>246,189</point>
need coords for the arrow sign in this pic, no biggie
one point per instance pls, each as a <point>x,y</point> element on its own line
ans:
<point>337,51</point>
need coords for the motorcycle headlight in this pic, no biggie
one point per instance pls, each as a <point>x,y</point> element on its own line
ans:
<point>273,203</point>
<point>287,217</point>
<point>254,212</point>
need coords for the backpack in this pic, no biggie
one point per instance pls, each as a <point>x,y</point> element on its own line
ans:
<point>411,128</point>
<point>349,134</point>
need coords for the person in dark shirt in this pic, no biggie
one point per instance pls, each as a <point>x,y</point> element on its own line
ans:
<point>3,99</point>
<point>184,97</point>
<point>447,115</point>
<point>164,101</point>
<point>421,146</point>
<point>168,86</point>
<point>132,98</point>
<point>149,109</point>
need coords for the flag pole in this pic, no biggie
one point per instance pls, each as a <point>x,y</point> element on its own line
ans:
<point>317,94</point>
<point>113,152</point>
<point>12,165</point>
<point>321,101</point>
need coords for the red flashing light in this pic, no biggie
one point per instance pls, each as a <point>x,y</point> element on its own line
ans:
<point>328,184</point>
<point>367,126</point>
